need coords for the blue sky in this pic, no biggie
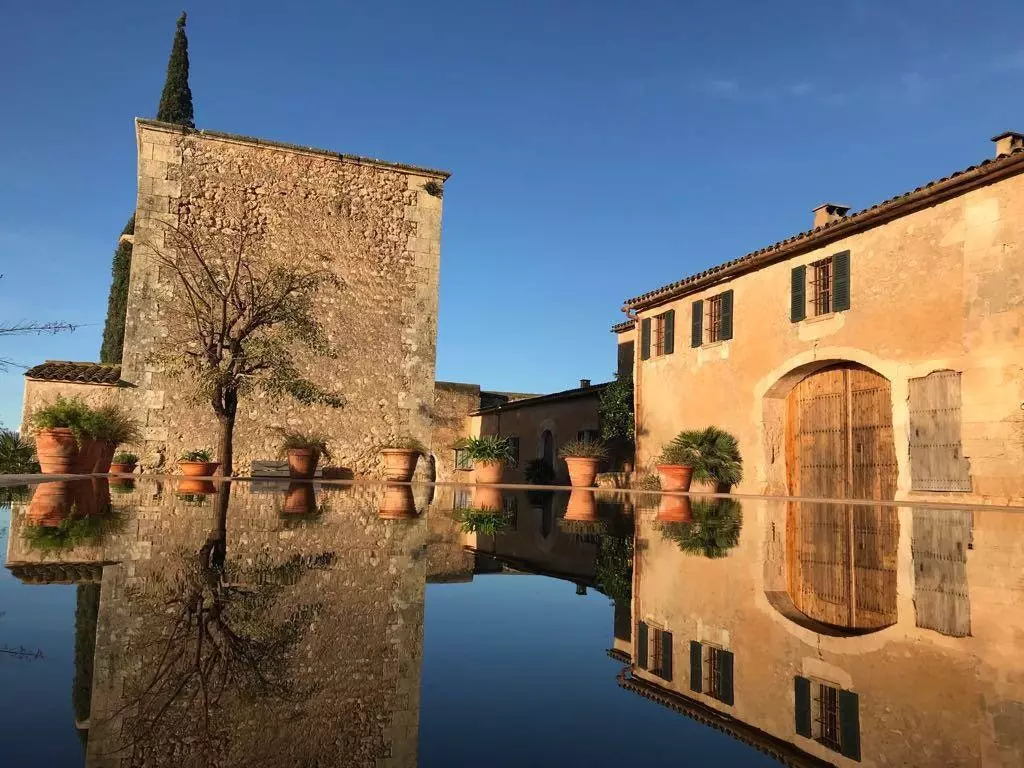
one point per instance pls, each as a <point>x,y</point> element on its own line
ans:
<point>598,149</point>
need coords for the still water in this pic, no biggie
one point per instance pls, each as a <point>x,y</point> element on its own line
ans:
<point>247,624</point>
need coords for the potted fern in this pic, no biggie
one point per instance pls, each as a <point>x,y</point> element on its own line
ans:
<point>583,457</point>
<point>709,455</point>
<point>303,451</point>
<point>489,456</point>
<point>400,457</point>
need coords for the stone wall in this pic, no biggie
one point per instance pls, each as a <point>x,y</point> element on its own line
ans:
<point>377,227</point>
<point>453,402</point>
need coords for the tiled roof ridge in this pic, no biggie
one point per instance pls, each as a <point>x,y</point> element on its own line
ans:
<point>625,325</point>
<point>1013,160</point>
<point>76,371</point>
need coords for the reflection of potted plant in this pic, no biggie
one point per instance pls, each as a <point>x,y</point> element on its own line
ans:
<point>674,508</point>
<point>487,498</point>
<point>398,503</point>
<point>124,463</point>
<point>400,459</point>
<point>707,455</point>
<point>489,456</point>
<point>105,428</point>
<point>583,457</point>
<point>59,430</point>
<point>197,463</point>
<point>713,530</point>
<point>303,451</point>
<point>486,522</point>
<point>51,503</point>
<point>582,505</point>
<point>301,499</point>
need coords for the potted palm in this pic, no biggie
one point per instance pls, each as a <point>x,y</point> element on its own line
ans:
<point>124,463</point>
<point>59,430</point>
<point>400,457</point>
<point>197,463</point>
<point>303,451</point>
<point>709,455</point>
<point>583,458</point>
<point>489,456</point>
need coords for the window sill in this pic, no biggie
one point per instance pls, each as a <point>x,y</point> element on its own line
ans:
<point>714,344</point>
<point>821,318</point>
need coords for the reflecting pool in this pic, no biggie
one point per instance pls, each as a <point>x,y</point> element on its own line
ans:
<point>197,623</point>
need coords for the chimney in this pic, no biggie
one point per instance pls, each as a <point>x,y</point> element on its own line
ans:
<point>826,213</point>
<point>1007,142</point>
<point>584,383</point>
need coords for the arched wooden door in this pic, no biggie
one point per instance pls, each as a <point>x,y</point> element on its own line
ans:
<point>842,558</point>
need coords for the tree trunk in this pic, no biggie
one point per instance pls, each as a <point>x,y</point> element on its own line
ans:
<point>226,417</point>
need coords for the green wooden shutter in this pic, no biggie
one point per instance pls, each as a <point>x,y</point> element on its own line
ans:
<point>666,655</point>
<point>645,338</point>
<point>802,689</point>
<point>726,330</point>
<point>670,332</point>
<point>841,281</point>
<point>641,646</point>
<point>696,667</point>
<point>849,724</point>
<point>798,297</point>
<point>697,325</point>
<point>725,685</point>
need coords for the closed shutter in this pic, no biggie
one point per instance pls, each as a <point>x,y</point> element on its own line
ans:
<point>669,341</point>
<point>802,689</point>
<point>937,462</point>
<point>849,724</point>
<point>696,668</point>
<point>641,645</point>
<point>697,324</point>
<point>725,685</point>
<point>798,296</point>
<point>725,331</point>
<point>645,338</point>
<point>666,655</point>
<point>841,281</point>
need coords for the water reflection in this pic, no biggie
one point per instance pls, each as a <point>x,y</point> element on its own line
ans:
<point>282,624</point>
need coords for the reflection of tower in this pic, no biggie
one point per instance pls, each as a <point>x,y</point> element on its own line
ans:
<point>86,613</point>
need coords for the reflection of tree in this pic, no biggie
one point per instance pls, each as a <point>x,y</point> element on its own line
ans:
<point>613,571</point>
<point>212,633</point>
<point>712,531</point>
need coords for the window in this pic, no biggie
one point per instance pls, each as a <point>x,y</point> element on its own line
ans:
<point>711,671</point>
<point>654,650</point>
<point>463,499</point>
<point>514,442</point>
<point>657,335</point>
<point>462,460</point>
<point>829,715</point>
<point>820,288</point>
<point>590,435</point>
<point>510,504</point>
<point>712,319</point>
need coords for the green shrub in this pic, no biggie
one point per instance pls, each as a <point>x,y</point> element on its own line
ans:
<point>111,423</point>
<point>584,449</point>
<point>616,410</point>
<point>73,531</point>
<point>199,454</point>
<point>488,448</point>
<point>713,453</point>
<point>296,440</point>
<point>64,412</point>
<point>539,472</point>
<point>124,457</point>
<point>17,454</point>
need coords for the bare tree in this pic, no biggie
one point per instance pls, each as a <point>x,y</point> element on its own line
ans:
<point>28,328</point>
<point>246,305</point>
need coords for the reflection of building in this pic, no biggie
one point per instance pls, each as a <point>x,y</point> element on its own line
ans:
<point>888,636</point>
<point>876,355</point>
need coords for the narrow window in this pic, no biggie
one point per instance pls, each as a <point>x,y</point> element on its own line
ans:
<point>658,335</point>
<point>714,319</point>
<point>821,287</point>
<point>462,460</point>
<point>828,714</point>
<point>711,671</point>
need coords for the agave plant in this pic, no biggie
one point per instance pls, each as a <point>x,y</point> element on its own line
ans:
<point>713,453</point>
<point>712,531</point>
<point>489,448</point>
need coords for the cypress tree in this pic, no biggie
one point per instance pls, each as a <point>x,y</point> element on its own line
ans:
<point>175,107</point>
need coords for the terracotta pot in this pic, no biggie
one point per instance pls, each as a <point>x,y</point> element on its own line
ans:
<point>120,468</point>
<point>104,456</point>
<point>488,471</point>
<point>302,462</point>
<point>88,456</point>
<point>674,508</point>
<point>582,505</point>
<point>487,498</point>
<point>399,464</point>
<point>50,504</point>
<point>398,503</point>
<point>198,468</point>
<point>57,451</point>
<point>301,499</point>
<point>675,477</point>
<point>195,485</point>
<point>91,497</point>
<point>582,471</point>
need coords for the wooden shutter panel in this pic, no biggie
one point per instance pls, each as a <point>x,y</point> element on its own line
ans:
<point>645,338</point>
<point>841,281</point>
<point>641,646</point>
<point>669,341</point>
<point>696,667</point>
<point>937,462</point>
<point>697,324</point>
<point>798,295</point>
<point>666,655</point>
<point>725,685</point>
<point>802,689</point>
<point>726,329</point>
<point>849,724</point>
